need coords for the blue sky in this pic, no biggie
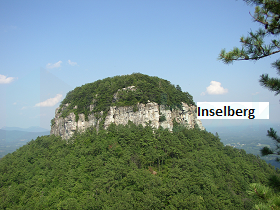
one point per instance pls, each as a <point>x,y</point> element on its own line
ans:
<point>50,47</point>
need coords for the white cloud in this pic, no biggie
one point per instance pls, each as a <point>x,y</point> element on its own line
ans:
<point>55,65</point>
<point>72,63</point>
<point>5,80</point>
<point>50,101</point>
<point>256,93</point>
<point>15,103</point>
<point>215,88</point>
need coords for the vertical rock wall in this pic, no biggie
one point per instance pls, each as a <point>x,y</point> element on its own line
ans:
<point>121,115</point>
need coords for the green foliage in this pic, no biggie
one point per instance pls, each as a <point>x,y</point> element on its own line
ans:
<point>274,182</point>
<point>101,94</point>
<point>162,118</point>
<point>131,167</point>
<point>267,151</point>
<point>267,13</point>
<point>268,198</point>
<point>135,108</point>
<point>253,47</point>
<point>178,88</point>
<point>52,122</point>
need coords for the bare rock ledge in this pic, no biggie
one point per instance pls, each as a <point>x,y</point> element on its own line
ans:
<point>65,127</point>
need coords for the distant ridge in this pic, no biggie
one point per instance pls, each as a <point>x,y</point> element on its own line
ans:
<point>11,140</point>
<point>30,129</point>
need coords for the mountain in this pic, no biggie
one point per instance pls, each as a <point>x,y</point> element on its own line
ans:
<point>130,165</point>
<point>30,129</point>
<point>137,98</point>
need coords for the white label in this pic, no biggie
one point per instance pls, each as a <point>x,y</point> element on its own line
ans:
<point>233,110</point>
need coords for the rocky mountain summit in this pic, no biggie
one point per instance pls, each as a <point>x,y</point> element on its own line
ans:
<point>128,103</point>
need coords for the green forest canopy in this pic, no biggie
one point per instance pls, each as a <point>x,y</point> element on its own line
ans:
<point>132,167</point>
<point>102,93</point>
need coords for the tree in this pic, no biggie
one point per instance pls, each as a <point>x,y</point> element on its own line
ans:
<point>267,13</point>
<point>179,88</point>
<point>267,151</point>
<point>269,200</point>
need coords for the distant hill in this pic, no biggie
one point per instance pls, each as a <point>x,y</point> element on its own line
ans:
<point>11,140</point>
<point>250,138</point>
<point>30,129</point>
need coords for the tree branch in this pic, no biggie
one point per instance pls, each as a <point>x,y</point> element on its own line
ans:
<point>257,20</point>
<point>259,57</point>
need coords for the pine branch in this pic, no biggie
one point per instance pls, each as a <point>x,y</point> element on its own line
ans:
<point>258,19</point>
<point>266,151</point>
<point>224,57</point>
<point>272,134</point>
<point>276,65</point>
<point>272,84</point>
<point>267,13</point>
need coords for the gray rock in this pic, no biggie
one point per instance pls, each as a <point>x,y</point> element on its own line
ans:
<point>121,115</point>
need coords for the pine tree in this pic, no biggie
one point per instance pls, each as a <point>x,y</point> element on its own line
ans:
<point>267,13</point>
<point>267,151</point>
<point>268,198</point>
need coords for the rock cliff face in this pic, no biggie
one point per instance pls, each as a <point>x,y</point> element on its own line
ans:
<point>142,114</point>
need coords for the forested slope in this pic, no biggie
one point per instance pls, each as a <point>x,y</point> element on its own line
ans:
<point>131,167</point>
<point>101,94</point>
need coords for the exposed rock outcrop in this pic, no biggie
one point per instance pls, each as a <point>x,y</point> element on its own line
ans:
<point>65,127</point>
